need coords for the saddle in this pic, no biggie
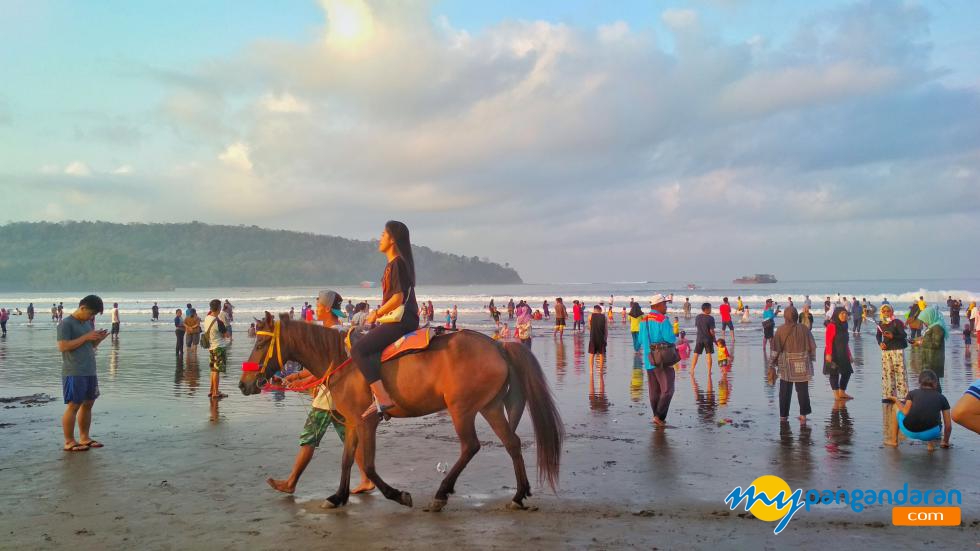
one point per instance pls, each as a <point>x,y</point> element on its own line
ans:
<point>416,341</point>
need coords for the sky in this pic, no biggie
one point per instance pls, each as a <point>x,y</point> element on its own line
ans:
<point>575,140</point>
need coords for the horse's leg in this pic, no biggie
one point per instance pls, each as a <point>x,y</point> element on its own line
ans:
<point>469,444</point>
<point>340,498</point>
<point>367,430</point>
<point>494,414</point>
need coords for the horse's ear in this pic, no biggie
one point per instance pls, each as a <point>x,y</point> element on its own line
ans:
<point>268,318</point>
<point>283,317</point>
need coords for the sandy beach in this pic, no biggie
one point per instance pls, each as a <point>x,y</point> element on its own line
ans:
<point>177,474</point>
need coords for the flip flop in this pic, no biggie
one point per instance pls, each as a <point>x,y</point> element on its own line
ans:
<point>76,448</point>
<point>93,444</point>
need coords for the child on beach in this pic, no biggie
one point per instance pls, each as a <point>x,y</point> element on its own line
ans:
<point>449,319</point>
<point>502,332</point>
<point>676,326</point>
<point>924,415</point>
<point>966,334</point>
<point>724,358</point>
<point>683,346</point>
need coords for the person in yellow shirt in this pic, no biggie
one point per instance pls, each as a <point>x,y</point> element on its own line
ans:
<point>739,306</point>
<point>724,359</point>
<point>922,304</point>
<point>677,326</point>
<point>635,315</point>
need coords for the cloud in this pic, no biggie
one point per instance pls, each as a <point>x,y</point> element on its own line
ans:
<point>78,168</point>
<point>236,156</point>
<point>544,140</point>
<point>679,18</point>
<point>284,103</point>
<point>123,169</point>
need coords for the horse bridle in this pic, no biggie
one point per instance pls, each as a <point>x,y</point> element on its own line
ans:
<point>275,347</point>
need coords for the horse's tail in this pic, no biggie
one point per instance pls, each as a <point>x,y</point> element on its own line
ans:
<point>527,382</point>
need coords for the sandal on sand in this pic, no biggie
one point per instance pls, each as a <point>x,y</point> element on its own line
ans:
<point>93,444</point>
<point>76,448</point>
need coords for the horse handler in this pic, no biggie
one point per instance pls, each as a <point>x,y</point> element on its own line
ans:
<point>322,416</point>
<point>322,411</point>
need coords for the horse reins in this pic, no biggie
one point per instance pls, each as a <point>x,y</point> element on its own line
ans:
<point>275,347</point>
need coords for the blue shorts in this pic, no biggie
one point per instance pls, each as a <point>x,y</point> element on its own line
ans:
<point>932,434</point>
<point>80,388</point>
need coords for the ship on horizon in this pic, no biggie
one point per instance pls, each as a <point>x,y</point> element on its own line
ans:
<point>757,278</point>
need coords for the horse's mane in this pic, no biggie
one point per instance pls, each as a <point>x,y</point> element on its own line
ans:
<point>323,340</point>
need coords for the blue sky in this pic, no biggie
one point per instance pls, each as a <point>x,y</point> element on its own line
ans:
<point>562,137</point>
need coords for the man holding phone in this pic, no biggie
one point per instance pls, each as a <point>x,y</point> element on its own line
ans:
<point>80,384</point>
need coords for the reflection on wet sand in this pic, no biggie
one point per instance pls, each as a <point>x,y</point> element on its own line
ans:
<point>636,379</point>
<point>724,390</point>
<point>705,400</point>
<point>597,397</point>
<point>187,374</point>
<point>114,359</point>
<point>578,353</point>
<point>839,431</point>
<point>561,362</point>
<point>795,455</point>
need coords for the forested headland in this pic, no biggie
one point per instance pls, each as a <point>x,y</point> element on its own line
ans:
<point>75,256</point>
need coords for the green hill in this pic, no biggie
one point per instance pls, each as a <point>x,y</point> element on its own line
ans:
<point>76,256</point>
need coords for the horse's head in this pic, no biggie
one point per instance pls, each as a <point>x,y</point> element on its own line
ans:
<point>266,356</point>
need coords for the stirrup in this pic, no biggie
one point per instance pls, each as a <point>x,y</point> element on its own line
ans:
<point>380,409</point>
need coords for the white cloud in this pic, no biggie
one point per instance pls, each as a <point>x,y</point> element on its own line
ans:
<point>284,103</point>
<point>236,156</point>
<point>78,168</point>
<point>679,18</point>
<point>613,32</point>
<point>123,169</point>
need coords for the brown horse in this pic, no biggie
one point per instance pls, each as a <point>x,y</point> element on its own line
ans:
<point>465,372</point>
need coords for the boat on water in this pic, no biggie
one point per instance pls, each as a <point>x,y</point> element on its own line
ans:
<point>757,278</point>
<point>691,287</point>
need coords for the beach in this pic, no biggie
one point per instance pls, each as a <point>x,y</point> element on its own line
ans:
<point>178,472</point>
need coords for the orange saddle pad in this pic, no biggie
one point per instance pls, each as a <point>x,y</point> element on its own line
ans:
<point>412,342</point>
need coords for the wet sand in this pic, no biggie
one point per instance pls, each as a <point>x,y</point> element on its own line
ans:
<point>177,474</point>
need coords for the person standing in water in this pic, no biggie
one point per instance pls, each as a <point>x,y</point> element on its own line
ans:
<point>80,383</point>
<point>544,308</point>
<point>857,314</point>
<point>795,352</point>
<point>155,312</point>
<point>704,342</point>
<point>837,354</point>
<point>561,314</point>
<point>933,342</point>
<point>739,305</point>
<point>725,310</point>
<point>657,339</point>
<point>687,308</point>
<point>806,317</point>
<point>115,321</point>
<point>30,314</point>
<point>216,329</point>
<point>635,315</point>
<point>893,341</point>
<point>397,315</point>
<point>179,331</point>
<point>453,317</point>
<point>597,338</point>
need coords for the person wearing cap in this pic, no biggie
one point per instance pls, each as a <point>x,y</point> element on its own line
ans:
<point>80,383</point>
<point>323,414</point>
<point>656,332</point>
<point>328,309</point>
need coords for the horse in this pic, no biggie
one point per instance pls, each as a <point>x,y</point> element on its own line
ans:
<point>464,372</point>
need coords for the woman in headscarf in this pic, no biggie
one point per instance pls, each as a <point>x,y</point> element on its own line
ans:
<point>636,315</point>
<point>523,331</point>
<point>837,355</point>
<point>806,318</point>
<point>893,341</point>
<point>933,342</point>
<point>795,352</point>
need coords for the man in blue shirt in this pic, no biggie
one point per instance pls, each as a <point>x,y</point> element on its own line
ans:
<point>656,332</point>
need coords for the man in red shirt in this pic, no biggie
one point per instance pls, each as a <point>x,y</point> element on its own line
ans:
<point>726,319</point>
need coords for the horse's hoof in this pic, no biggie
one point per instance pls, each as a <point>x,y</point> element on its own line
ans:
<point>436,505</point>
<point>516,506</point>
<point>405,499</point>
<point>327,504</point>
